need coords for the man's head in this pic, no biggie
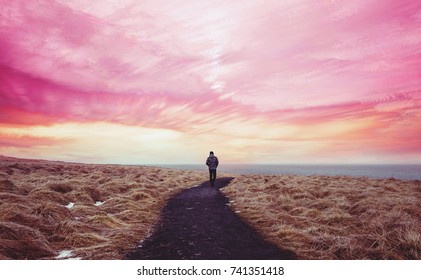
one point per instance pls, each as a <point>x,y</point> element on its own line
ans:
<point>211,153</point>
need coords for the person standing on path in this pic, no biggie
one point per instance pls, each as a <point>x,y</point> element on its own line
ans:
<point>212,162</point>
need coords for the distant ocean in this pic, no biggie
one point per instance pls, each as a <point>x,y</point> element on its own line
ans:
<point>405,172</point>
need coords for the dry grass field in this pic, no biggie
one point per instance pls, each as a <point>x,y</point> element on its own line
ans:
<point>322,217</point>
<point>57,210</point>
<point>94,211</point>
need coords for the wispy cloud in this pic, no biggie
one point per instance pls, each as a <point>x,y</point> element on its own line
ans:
<point>284,80</point>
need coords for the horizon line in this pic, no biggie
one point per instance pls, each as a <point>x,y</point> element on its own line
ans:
<point>186,164</point>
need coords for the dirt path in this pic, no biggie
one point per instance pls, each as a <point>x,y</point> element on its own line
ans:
<point>197,224</point>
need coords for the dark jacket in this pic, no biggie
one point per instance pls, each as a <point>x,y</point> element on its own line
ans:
<point>212,162</point>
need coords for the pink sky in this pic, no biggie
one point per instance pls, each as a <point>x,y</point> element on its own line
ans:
<point>166,81</point>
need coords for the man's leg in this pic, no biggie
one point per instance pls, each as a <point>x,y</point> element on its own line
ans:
<point>210,177</point>
<point>213,177</point>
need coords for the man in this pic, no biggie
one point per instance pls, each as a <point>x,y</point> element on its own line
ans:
<point>212,162</point>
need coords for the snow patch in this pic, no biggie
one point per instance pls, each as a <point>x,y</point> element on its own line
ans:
<point>70,205</point>
<point>98,203</point>
<point>64,254</point>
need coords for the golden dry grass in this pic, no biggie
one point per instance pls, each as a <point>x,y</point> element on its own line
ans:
<point>322,217</point>
<point>36,224</point>
<point>318,217</point>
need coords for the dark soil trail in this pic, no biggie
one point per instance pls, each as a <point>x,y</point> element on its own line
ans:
<point>198,224</point>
